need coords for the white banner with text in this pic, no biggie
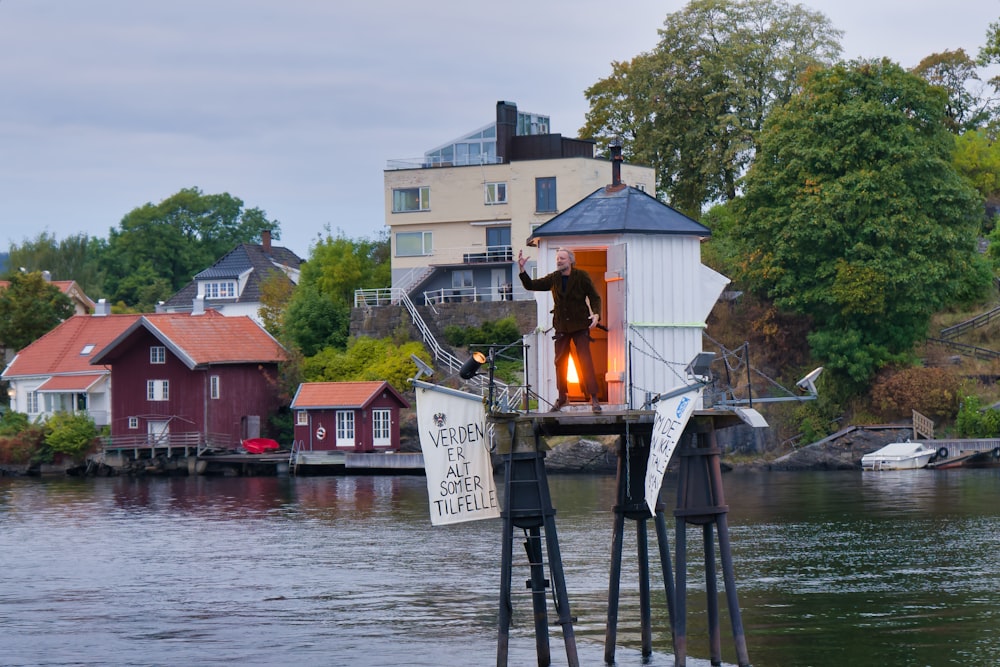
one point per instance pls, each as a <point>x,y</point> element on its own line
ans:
<point>455,444</point>
<point>672,416</point>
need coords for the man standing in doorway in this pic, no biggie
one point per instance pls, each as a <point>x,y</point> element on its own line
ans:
<point>572,319</point>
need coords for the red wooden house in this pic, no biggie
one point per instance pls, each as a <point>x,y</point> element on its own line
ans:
<point>183,379</point>
<point>347,416</point>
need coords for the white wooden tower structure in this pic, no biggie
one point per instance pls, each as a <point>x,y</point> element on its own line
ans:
<point>645,259</point>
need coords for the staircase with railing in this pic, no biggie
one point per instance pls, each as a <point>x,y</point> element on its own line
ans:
<point>503,394</point>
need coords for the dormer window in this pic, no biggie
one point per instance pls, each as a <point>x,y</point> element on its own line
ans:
<point>219,289</point>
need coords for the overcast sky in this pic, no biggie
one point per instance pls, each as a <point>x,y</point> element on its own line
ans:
<point>295,106</point>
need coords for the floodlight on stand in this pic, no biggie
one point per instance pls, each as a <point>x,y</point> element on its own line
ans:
<point>701,365</point>
<point>808,383</point>
<point>471,366</point>
<point>423,370</point>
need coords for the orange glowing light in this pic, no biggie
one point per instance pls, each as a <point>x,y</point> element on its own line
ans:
<point>571,375</point>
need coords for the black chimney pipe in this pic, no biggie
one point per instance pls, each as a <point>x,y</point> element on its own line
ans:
<point>616,162</point>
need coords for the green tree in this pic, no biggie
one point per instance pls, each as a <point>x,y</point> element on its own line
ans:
<point>854,215</point>
<point>72,258</point>
<point>30,307</point>
<point>275,294</point>
<point>176,239</point>
<point>694,106</point>
<point>314,321</point>
<point>319,311</point>
<point>955,72</point>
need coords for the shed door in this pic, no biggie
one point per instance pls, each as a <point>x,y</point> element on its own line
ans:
<point>382,427</point>
<point>615,280</point>
<point>345,428</point>
<point>158,432</point>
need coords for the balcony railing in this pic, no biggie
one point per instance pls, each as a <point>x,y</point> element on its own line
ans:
<point>429,163</point>
<point>469,294</point>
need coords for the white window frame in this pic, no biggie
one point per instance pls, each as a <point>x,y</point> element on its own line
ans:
<point>345,428</point>
<point>218,289</point>
<point>157,354</point>
<point>31,401</point>
<point>426,243</point>
<point>133,422</point>
<point>213,386</point>
<point>157,390</point>
<point>496,193</point>
<point>302,418</point>
<point>382,427</point>
<point>402,196</point>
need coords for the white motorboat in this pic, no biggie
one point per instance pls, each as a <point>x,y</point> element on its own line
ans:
<point>898,456</point>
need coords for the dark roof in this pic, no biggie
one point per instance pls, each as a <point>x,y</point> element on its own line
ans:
<point>238,261</point>
<point>620,210</point>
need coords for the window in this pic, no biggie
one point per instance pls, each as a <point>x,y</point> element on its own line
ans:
<point>87,349</point>
<point>382,427</point>
<point>157,354</point>
<point>133,422</point>
<point>498,244</point>
<point>32,403</point>
<point>301,418</point>
<point>414,244</point>
<point>406,200</point>
<point>496,193</point>
<point>461,279</point>
<point>221,289</point>
<point>157,390</point>
<point>545,194</point>
<point>213,386</point>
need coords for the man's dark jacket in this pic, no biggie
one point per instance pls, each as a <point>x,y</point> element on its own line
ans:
<point>570,312</point>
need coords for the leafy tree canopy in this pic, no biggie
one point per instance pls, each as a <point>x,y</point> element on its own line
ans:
<point>955,72</point>
<point>29,308</point>
<point>366,359</point>
<point>693,107</point>
<point>854,215</point>
<point>72,258</point>
<point>318,313</point>
<point>176,239</point>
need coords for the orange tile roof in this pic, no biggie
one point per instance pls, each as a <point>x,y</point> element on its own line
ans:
<point>63,383</point>
<point>339,394</point>
<point>66,349</point>
<point>212,338</point>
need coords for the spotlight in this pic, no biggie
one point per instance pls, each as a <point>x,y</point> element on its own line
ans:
<point>470,367</point>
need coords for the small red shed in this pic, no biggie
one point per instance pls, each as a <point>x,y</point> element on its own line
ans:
<point>347,416</point>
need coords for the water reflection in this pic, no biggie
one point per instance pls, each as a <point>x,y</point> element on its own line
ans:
<point>831,568</point>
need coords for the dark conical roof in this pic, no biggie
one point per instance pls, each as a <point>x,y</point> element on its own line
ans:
<point>620,210</point>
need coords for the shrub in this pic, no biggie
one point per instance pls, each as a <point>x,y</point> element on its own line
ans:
<point>931,391</point>
<point>975,422</point>
<point>24,446</point>
<point>69,434</point>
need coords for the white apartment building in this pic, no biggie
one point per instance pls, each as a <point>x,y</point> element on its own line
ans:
<point>459,215</point>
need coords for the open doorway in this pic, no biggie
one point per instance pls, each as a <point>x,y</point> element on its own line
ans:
<point>594,262</point>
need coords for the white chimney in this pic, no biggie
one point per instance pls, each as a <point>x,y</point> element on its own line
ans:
<point>199,306</point>
<point>102,308</point>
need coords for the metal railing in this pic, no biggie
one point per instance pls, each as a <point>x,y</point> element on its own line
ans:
<point>468,294</point>
<point>967,350</point>
<point>978,321</point>
<point>168,441</point>
<point>426,162</point>
<point>503,393</point>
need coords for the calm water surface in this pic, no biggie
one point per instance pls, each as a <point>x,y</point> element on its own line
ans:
<point>833,568</point>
